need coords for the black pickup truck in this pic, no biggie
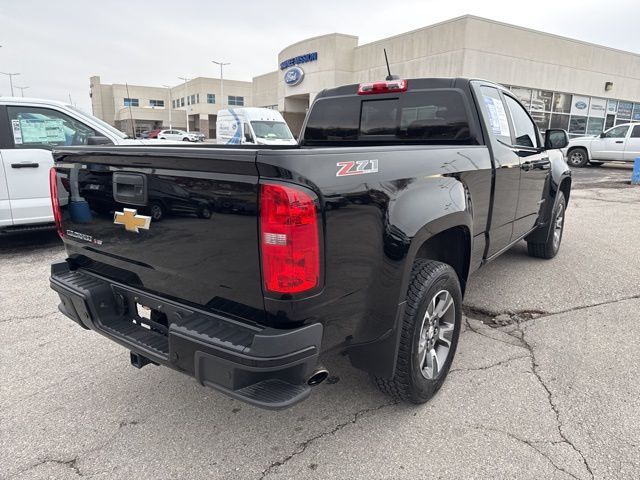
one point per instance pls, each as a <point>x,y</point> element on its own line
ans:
<point>240,266</point>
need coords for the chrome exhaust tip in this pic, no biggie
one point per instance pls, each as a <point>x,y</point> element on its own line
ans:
<point>319,375</point>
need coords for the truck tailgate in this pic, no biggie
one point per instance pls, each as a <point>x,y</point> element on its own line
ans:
<point>176,221</point>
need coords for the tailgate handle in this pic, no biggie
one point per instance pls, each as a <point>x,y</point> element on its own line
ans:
<point>25,165</point>
<point>130,188</point>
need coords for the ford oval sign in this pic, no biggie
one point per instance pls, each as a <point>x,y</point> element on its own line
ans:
<point>293,76</point>
<point>581,105</point>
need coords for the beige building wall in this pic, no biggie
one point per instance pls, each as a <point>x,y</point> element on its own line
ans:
<point>265,90</point>
<point>519,56</point>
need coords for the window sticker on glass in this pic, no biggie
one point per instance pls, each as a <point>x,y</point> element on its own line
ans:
<point>17,133</point>
<point>42,131</point>
<point>497,116</point>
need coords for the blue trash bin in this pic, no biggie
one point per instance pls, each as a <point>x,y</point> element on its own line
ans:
<point>635,176</point>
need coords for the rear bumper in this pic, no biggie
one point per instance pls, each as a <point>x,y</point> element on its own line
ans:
<point>263,366</point>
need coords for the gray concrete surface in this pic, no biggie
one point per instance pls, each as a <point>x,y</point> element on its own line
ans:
<point>554,397</point>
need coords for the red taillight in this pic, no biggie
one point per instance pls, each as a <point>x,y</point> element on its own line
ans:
<point>289,239</point>
<point>382,87</point>
<point>55,203</point>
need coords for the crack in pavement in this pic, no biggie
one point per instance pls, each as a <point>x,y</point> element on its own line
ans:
<point>530,444</point>
<point>487,317</point>
<point>29,317</point>
<point>487,367</point>
<point>303,446</point>
<point>478,332</point>
<point>556,411</point>
<point>73,462</point>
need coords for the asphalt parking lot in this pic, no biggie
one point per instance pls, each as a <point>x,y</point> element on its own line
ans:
<point>545,383</point>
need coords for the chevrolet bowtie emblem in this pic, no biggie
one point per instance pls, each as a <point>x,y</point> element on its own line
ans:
<point>131,220</point>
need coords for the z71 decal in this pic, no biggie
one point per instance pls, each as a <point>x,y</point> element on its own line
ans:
<point>357,167</point>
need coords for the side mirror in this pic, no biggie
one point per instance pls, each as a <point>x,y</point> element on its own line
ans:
<point>555,138</point>
<point>98,140</point>
<point>601,135</point>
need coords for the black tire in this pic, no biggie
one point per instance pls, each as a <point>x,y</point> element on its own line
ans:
<point>428,279</point>
<point>551,246</point>
<point>577,157</point>
<point>185,139</point>
<point>204,212</point>
<point>156,211</point>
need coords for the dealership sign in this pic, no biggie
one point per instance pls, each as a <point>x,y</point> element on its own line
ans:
<point>293,76</point>
<point>307,57</point>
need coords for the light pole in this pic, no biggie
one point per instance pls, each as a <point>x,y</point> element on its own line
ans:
<point>22,89</point>
<point>222,64</point>
<point>186,100</point>
<point>170,106</point>
<point>10,75</point>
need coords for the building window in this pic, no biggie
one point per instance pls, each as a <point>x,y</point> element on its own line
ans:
<point>197,98</point>
<point>156,103</point>
<point>192,98</point>
<point>211,98</point>
<point>237,101</point>
<point>131,102</point>
<point>182,102</point>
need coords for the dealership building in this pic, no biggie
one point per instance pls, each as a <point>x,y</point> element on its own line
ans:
<point>565,83</point>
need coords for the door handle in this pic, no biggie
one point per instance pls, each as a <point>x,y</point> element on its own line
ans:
<point>542,164</point>
<point>25,165</point>
<point>619,141</point>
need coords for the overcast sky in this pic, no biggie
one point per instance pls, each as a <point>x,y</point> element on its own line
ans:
<point>57,45</point>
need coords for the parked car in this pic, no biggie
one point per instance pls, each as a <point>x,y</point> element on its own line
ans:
<point>428,180</point>
<point>178,135</point>
<point>200,135</point>
<point>154,133</point>
<point>29,129</point>
<point>617,144</point>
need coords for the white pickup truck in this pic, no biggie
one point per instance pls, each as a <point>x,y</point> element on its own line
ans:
<point>618,144</point>
<point>29,129</point>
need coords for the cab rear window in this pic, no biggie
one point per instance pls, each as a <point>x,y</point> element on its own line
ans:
<point>427,116</point>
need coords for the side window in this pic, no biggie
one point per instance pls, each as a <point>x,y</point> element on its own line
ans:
<point>495,114</point>
<point>618,132</point>
<point>41,128</point>
<point>247,133</point>
<point>636,132</point>
<point>525,129</point>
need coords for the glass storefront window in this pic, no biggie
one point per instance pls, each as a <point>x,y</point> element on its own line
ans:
<point>636,112</point>
<point>595,126</point>
<point>612,107</point>
<point>524,95</point>
<point>541,119</point>
<point>561,102</point>
<point>610,122</point>
<point>559,120</point>
<point>541,100</point>
<point>577,125</point>
<point>598,107</point>
<point>624,111</point>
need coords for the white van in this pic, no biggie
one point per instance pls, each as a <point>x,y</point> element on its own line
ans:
<point>252,126</point>
<point>29,130</point>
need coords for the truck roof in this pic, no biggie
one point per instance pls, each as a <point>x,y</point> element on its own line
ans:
<point>412,83</point>
<point>32,101</point>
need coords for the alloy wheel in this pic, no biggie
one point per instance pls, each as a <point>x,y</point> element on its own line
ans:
<point>436,334</point>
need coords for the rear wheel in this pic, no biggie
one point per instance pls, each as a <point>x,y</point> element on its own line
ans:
<point>549,248</point>
<point>185,139</point>
<point>156,211</point>
<point>204,212</point>
<point>430,331</point>
<point>578,157</point>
